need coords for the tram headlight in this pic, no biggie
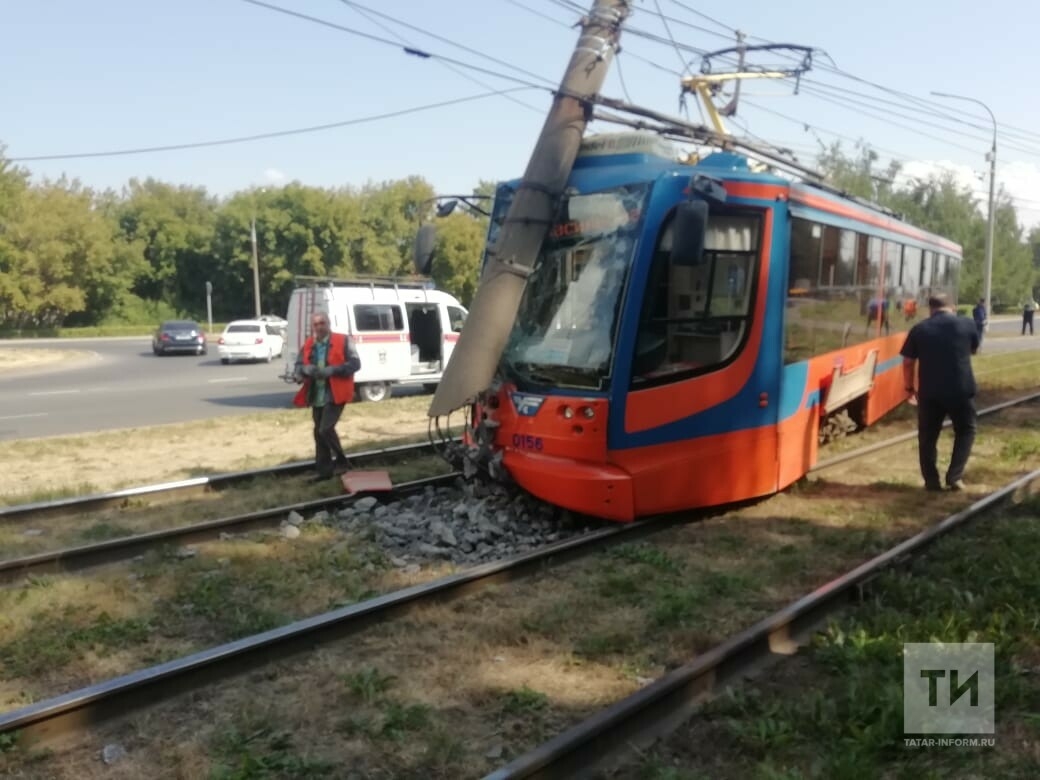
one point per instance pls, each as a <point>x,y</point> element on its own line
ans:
<point>587,412</point>
<point>567,412</point>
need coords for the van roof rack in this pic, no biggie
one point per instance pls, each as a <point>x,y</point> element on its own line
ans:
<point>414,282</point>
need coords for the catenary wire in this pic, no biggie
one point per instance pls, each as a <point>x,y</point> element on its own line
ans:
<point>365,12</point>
<point>276,134</point>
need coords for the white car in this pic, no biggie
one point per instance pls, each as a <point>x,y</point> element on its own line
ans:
<point>250,340</point>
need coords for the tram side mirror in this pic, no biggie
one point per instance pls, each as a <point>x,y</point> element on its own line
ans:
<point>689,227</point>
<point>425,241</point>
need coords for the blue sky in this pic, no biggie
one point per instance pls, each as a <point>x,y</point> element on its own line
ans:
<point>84,77</point>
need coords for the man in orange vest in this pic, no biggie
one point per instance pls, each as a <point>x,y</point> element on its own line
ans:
<point>326,366</point>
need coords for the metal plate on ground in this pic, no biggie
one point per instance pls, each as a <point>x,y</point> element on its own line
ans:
<point>366,481</point>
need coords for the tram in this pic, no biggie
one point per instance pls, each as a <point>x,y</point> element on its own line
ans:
<point>693,331</point>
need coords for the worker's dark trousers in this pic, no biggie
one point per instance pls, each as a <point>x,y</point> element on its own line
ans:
<point>930,416</point>
<point>326,441</point>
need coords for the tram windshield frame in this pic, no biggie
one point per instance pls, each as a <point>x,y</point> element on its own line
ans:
<point>566,328</point>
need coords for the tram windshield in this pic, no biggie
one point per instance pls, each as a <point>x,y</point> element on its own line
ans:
<point>567,322</point>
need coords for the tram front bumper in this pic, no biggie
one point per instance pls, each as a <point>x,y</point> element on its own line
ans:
<point>597,489</point>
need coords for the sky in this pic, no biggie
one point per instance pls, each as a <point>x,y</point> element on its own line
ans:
<point>109,75</point>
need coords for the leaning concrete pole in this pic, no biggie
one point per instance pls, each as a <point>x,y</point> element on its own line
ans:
<point>473,363</point>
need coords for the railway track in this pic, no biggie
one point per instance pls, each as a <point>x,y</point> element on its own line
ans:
<point>49,721</point>
<point>73,559</point>
<point>655,711</point>
<point>197,485</point>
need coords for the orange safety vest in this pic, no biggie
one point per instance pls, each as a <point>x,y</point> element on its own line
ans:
<point>340,387</point>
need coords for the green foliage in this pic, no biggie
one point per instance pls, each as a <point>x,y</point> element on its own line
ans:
<point>940,205</point>
<point>72,256</point>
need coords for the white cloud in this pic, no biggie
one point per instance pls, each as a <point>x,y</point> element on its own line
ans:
<point>274,175</point>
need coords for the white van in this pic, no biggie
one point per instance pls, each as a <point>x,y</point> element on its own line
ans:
<point>404,330</point>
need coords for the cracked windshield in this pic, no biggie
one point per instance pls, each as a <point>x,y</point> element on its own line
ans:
<point>566,326</point>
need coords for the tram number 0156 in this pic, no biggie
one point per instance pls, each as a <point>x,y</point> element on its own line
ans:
<point>522,442</point>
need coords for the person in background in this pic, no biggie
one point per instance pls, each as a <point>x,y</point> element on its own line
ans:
<point>910,309</point>
<point>325,367</point>
<point>1027,314</point>
<point>943,345</point>
<point>979,315</point>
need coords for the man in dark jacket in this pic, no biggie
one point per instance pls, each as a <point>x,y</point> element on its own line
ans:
<point>326,366</point>
<point>943,345</point>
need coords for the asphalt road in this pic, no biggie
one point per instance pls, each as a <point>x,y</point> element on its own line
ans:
<point>123,385</point>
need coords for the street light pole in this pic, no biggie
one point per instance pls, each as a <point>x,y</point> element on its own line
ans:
<point>988,284</point>
<point>256,268</point>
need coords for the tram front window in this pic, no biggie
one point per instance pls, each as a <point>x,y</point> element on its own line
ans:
<point>566,325</point>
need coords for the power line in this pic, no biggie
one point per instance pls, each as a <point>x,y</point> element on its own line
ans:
<point>731,30</point>
<point>368,15</point>
<point>934,108</point>
<point>667,29</point>
<point>365,10</point>
<point>276,134</point>
<point>386,41</point>
<point>527,8</point>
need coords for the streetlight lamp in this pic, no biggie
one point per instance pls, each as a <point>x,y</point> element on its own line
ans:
<point>992,181</point>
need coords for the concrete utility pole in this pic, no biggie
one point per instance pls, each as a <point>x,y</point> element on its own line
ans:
<point>475,359</point>
<point>988,285</point>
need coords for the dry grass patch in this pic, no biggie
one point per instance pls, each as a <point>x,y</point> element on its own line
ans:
<point>13,359</point>
<point>115,459</point>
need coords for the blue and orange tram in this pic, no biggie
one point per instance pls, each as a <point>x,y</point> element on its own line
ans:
<point>693,332</point>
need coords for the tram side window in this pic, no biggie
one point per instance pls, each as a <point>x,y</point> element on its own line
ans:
<point>694,317</point>
<point>807,267</point>
<point>837,312</point>
<point>824,318</point>
<point>911,278</point>
<point>925,284</point>
<point>953,276</point>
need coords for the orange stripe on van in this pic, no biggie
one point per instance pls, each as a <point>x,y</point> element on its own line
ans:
<point>381,338</point>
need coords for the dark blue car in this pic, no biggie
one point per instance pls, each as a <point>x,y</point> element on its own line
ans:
<point>179,336</point>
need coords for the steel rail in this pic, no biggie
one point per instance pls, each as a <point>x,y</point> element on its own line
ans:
<point>39,509</point>
<point>73,559</point>
<point>78,558</point>
<point>860,451</point>
<point>50,721</point>
<point>659,708</point>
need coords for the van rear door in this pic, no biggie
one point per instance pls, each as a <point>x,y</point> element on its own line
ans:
<point>382,342</point>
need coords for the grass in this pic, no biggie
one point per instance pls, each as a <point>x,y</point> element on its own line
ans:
<point>98,331</point>
<point>456,689</point>
<point>491,675</point>
<point>839,713</point>
<point>116,459</point>
<point>60,632</point>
